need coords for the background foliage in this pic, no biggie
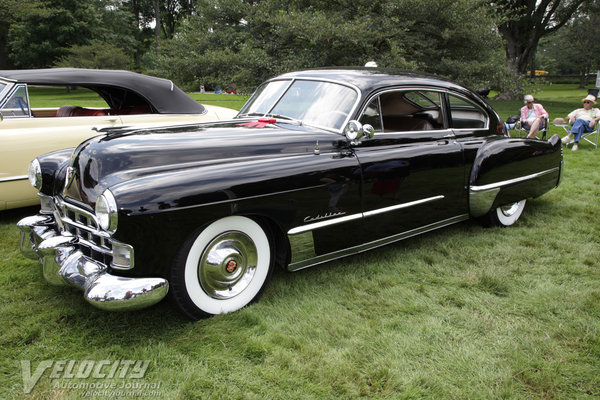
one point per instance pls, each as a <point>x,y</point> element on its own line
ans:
<point>221,42</point>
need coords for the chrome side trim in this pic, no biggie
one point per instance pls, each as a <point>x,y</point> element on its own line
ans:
<point>480,202</point>
<point>294,266</point>
<point>512,181</point>
<point>400,206</point>
<point>322,224</point>
<point>14,178</point>
<point>481,198</point>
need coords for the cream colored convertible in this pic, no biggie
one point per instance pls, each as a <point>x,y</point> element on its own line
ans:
<point>132,99</point>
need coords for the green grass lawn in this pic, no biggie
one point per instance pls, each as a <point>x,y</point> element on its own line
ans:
<point>463,312</point>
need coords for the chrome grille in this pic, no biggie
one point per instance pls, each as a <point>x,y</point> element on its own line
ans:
<point>76,221</point>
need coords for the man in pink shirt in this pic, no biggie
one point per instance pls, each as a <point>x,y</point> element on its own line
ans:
<point>532,116</point>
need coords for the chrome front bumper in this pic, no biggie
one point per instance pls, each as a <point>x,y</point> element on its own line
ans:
<point>65,265</point>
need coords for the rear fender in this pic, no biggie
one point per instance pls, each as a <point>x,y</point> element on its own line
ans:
<point>507,170</point>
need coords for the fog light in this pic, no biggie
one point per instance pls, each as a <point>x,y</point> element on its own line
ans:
<point>122,256</point>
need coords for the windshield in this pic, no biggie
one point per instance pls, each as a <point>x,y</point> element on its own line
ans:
<point>2,86</point>
<point>317,103</point>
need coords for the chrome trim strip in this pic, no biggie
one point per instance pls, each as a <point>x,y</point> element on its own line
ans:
<point>376,243</point>
<point>14,178</point>
<point>346,218</point>
<point>512,181</point>
<point>400,206</point>
<point>323,224</point>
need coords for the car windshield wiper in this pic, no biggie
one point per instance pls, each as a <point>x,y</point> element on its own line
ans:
<point>254,114</point>
<point>284,117</point>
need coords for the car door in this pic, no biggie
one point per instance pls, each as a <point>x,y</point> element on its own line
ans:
<point>413,178</point>
<point>470,125</point>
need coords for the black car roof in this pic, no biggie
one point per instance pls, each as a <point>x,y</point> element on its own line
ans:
<point>369,79</point>
<point>120,89</point>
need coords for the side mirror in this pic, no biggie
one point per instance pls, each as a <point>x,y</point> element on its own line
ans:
<point>355,131</point>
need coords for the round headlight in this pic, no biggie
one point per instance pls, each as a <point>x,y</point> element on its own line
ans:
<point>35,174</point>
<point>106,211</point>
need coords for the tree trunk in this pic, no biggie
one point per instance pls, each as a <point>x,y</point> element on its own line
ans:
<point>521,44</point>
<point>137,57</point>
<point>582,79</point>
<point>527,22</point>
<point>157,27</point>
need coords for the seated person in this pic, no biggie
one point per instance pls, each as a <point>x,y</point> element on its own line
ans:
<point>532,116</point>
<point>582,120</point>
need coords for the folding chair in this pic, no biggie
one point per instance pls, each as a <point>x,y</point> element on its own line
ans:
<point>521,132</point>
<point>590,137</point>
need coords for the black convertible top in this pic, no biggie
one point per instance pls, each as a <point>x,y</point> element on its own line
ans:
<point>120,89</point>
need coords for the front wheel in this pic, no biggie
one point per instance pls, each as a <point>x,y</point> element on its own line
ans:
<point>505,215</point>
<point>222,268</point>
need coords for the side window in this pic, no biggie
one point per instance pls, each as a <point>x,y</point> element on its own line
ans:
<point>17,105</point>
<point>465,114</point>
<point>372,115</point>
<point>410,111</point>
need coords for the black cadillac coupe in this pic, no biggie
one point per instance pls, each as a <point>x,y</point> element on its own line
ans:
<point>317,165</point>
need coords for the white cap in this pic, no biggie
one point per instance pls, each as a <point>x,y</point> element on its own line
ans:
<point>528,98</point>
<point>371,64</point>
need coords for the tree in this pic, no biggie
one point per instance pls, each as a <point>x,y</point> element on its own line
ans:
<point>12,11</point>
<point>525,22</point>
<point>39,39</point>
<point>576,49</point>
<point>97,55</point>
<point>248,41</point>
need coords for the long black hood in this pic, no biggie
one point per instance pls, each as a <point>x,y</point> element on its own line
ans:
<point>107,160</point>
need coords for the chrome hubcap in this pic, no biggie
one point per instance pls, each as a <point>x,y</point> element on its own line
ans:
<point>227,265</point>
<point>509,210</point>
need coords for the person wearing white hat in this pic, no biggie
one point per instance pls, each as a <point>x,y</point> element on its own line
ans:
<point>532,116</point>
<point>582,120</point>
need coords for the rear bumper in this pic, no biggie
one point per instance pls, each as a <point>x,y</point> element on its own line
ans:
<point>65,265</point>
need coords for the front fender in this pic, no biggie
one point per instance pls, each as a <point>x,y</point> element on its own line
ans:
<point>53,167</point>
<point>507,170</point>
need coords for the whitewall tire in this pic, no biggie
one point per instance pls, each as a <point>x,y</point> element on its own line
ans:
<point>505,215</point>
<point>222,268</point>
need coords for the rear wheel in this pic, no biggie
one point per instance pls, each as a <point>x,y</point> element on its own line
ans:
<point>221,268</point>
<point>505,215</point>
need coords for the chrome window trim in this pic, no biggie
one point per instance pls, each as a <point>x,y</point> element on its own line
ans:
<point>322,224</point>
<point>402,89</point>
<point>8,95</point>
<point>301,264</point>
<point>500,184</point>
